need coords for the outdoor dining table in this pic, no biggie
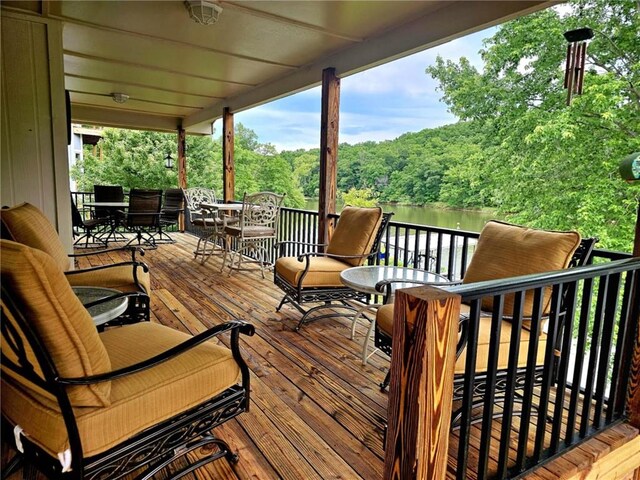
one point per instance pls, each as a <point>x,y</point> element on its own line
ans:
<point>113,207</point>
<point>365,279</point>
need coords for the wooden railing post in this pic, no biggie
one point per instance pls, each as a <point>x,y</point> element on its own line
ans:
<point>425,332</point>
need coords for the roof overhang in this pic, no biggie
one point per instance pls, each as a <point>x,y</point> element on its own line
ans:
<point>178,73</point>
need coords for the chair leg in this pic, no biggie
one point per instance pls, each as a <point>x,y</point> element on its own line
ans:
<point>223,451</point>
<point>386,381</point>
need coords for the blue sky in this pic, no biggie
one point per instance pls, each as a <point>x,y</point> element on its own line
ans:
<point>379,104</point>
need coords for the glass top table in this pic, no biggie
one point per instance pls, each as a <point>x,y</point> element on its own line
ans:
<point>105,311</point>
<point>364,279</point>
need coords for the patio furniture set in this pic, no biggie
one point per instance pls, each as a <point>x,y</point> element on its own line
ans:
<point>146,214</point>
<point>65,381</point>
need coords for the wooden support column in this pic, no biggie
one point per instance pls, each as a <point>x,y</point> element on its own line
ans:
<point>182,169</point>
<point>330,117</point>
<point>425,332</point>
<point>633,393</point>
<point>229,169</point>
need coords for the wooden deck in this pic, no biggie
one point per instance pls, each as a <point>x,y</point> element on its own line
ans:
<point>316,411</point>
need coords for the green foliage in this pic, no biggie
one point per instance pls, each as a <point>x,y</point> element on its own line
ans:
<point>135,159</point>
<point>365,197</point>
<point>547,164</point>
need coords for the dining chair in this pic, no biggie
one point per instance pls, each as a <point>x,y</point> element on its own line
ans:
<point>209,224</point>
<point>172,208</point>
<point>83,229</point>
<point>87,405</point>
<point>143,215</point>
<point>255,233</point>
<point>314,276</point>
<point>109,193</point>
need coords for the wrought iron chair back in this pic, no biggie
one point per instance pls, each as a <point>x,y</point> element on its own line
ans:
<point>257,227</point>
<point>194,197</point>
<point>84,229</point>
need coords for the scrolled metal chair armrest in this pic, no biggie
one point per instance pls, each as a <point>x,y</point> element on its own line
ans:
<point>240,326</point>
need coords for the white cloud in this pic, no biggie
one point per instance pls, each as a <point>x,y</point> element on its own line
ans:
<point>379,104</point>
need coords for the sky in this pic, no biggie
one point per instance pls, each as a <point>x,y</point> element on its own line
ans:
<point>378,104</point>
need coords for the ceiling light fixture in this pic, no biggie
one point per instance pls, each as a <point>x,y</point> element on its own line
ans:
<point>119,97</point>
<point>203,12</point>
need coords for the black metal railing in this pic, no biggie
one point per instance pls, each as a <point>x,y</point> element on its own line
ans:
<point>569,388</point>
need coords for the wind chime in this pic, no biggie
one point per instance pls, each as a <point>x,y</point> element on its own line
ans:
<point>576,54</point>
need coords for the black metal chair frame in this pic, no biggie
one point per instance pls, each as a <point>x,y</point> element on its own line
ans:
<point>88,226</point>
<point>582,256</point>
<point>169,214</point>
<point>155,447</point>
<point>109,193</point>
<point>143,216</point>
<point>297,295</point>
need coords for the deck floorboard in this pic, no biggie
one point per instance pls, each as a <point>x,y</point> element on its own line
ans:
<point>316,411</point>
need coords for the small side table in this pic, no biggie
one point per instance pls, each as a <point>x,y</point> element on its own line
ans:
<point>105,311</point>
<point>364,279</point>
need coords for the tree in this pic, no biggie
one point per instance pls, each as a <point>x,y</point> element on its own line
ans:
<point>551,165</point>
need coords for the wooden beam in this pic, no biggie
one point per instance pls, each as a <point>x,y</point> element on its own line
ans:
<point>329,121</point>
<point>633,392</point>
<point>425,332</point>
<point>228,172</point>
<point>182,168</point>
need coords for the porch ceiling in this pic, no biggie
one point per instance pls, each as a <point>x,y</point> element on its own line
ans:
<point>177,72</point>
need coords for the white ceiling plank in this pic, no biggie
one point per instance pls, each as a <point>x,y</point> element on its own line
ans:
<point>452,20</point>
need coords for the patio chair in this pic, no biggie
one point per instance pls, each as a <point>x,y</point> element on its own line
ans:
<point>81,404</point>
<point>172,207</point>
<point>143,215</point>
<point>109,193</point>
<point>255,233</point>
<point>83,229</point>
<point>314,277</point>
<point>27,225</point>
<point>207,221</point>
<point>503,251</point>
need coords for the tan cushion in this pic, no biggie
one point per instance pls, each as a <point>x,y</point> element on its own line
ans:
<point>65,327</point>
<point>384,319</point>
<point>138,401</point>
<point>119,277</point>
<point>323,271</point>
<point>355,233</point>
<point>506,250</point>
<point>29,226</point>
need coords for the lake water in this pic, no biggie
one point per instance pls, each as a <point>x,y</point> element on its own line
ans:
<point>471,220</point>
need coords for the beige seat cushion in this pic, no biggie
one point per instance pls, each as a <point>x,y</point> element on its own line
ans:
<point>355,233</point>
<point>384,319</point>
<point>506,250</point>
<point>29,226</point>
<point>138,401</point>
<point>46,300</point>
<point>323,271</point>
<point>119,277</point>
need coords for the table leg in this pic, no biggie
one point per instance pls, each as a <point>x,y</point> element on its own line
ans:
<point>372,323</point>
